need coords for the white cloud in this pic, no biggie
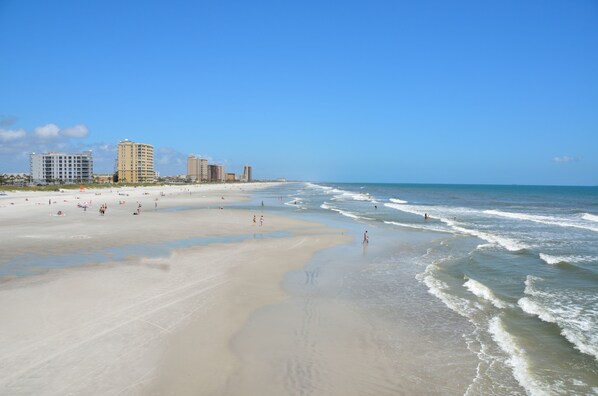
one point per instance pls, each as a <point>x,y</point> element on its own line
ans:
<point>10,135</point>
<point>47,131</point>
<point>565,159</point>
<point>78,131</point>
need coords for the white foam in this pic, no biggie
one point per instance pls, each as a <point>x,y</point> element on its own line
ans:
<point>550,220</point>
<point>439,289</point>
<point>425,227</point>
<point>318,187</point>
<point>516,357</point>
<point>577,323</point>
<point>566,259</point>
<point>483,292</point>
<point>590,217</point>
<point>413,209</point>
<point>507,243</point>
<point>398,201</point>
<point>347,195</point>
<point>485,246</point>
<point>343,212</point>
<point>448,215</point>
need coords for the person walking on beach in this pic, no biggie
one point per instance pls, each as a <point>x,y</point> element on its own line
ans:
<point>366,238</point>
<point>254,219</point>
<point>261,220</point>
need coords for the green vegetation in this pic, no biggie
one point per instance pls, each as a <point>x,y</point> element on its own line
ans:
<point>58,187</point>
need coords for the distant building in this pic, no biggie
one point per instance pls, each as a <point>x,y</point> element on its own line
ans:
<point>247,174</point>
<point>230,177</point>
<point>197,169</point>
<point>62,168</point>
<point>216,173</point>
<point>104,178</point>
<point>135,162</point>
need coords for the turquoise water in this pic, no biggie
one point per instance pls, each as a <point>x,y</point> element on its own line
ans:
<point>519,264</point>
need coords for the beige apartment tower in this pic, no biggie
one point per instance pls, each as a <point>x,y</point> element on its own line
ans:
<point>135,162</point>
<point>197,169</point>
<point>247,177</point>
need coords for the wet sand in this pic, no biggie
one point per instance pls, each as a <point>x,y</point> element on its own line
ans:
<point>140,324</point>
<point>203,301</point>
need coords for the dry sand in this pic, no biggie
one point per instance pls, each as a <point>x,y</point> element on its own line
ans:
<point>140,324</point>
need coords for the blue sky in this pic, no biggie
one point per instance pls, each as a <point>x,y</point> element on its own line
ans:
<point>499,92</point>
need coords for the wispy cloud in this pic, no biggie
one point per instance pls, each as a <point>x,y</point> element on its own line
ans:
<point>78,131</point>
<point>9,135</point>
<point>564,159</point>
<point>16,143</point>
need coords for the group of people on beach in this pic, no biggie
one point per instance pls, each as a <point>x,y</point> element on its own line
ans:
<point>103,209</point>
<point>261,220</point>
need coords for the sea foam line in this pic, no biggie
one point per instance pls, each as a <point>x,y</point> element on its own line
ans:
<point>577,323</point>
<point>505,242</point>
<point>424,227</point>
<point>484,292</point>
<point>439,289</point>
<point>590,217</point>
<point>344,212</point>
<point>566,259</point>
<point>516,357</point>
<point>541,219</point>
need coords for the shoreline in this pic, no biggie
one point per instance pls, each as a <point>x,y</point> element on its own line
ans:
<point>119,326</point>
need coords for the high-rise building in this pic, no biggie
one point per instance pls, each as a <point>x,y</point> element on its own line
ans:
<point>216,173</point>
<point>197,169</point>
<point>62,168</point>
<point>246,174</point>
<point>135,162</point>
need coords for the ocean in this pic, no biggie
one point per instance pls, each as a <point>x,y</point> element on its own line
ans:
<point>513,268</point>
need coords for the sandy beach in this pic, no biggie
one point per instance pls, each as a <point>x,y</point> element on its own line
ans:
<point>146,303</point>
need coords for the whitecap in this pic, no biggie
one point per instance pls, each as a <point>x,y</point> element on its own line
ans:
<point>507,243</point>
<point>516,357</point>
<point>347,195</point>
<point>318,187</point>
<point>343,212</point>
<point>565,259</point>
<point>549,220</point>
<point>441,290</point>
<point>484,292</point>
<point>398,201</point>
<point>577,322</point>
<point>424,227</point>
<point>590,217</point>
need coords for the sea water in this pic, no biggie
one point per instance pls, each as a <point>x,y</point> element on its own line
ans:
<point>517,264</point>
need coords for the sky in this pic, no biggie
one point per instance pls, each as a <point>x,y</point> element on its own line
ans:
<point>473,92</point>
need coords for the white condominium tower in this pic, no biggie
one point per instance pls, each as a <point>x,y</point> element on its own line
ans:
<point>62,168</point>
